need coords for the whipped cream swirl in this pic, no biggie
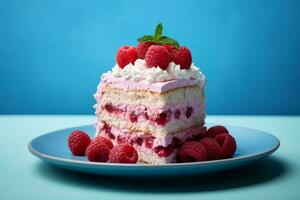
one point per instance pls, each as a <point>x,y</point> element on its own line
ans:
<point>140,72</point>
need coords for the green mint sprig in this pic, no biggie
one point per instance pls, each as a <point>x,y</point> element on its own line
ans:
<point>159,38</point>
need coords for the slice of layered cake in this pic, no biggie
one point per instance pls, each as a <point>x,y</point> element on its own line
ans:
<point>153,98</point>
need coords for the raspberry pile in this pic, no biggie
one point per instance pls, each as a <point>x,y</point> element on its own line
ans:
<point>215,143</point>
<point>101,149</point>
<point>157,50</point>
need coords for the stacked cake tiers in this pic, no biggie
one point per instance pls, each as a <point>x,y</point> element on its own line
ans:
<point>153,98</point>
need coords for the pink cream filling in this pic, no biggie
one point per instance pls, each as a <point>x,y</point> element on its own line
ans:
<point>159,87</point>
<point>162,146</point>
<point>183,135</point>
<point>184,111</point>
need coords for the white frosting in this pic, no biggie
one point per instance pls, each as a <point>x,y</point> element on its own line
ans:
<point>139,71</point>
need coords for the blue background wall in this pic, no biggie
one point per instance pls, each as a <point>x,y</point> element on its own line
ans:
<point>53,52</point>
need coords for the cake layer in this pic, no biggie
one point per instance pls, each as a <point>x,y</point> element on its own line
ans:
<point>149,127</point>
<point>137,113</point>
<point>117,96</point>
<point>124,135</point>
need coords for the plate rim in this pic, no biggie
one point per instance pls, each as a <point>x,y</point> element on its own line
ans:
<point>106,164</point>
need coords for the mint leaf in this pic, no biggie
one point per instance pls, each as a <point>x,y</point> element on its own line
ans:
<point>158,31</point>
<point>147,38</point>
<point>169,41</point>
<point>159,38</point>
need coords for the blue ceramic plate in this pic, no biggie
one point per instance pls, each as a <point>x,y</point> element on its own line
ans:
<point>252,145</point>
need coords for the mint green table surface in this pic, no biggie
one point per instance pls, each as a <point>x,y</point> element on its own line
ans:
<point>22,176</point>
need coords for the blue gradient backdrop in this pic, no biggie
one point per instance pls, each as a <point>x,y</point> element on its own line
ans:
<point>52,52</point>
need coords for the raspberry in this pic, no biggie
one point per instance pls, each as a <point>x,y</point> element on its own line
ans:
<point>112,109</point>
<point>182,57</point>
<point>177,114</point>
<point>146,115</point>
<point>121,139</point>
<point>157,56</point>
<point>143,47</point>
<point>109,107</point>
<point>149,141</point>
<point>189,111</point>
<point>105,141</point>
<point>202,132</point>
<point>107,129</point>
<point>111,136</point>
<point>78,141</point>
<point>133,118</point>
<point>176,142</point>
<point>118,111</point>
<point>227,144</point>
<point>98,150</point>
<point>123,153</point>
<point>171,49</point>
<point>212,148</point>
<point>137,140</point>
<point>215,130</point>
<point>192,151</point>
<point>195,137</point>
<point>162,118</point>
<point>126,55</point>
<point>163,151</point>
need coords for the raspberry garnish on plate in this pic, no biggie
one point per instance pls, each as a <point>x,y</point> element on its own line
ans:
<point>99,149</point>
<point>123,153</point>
<point>212,148</point>
<point>227,144</point>
<point>105,141</point>
<point>78,141</point>
<point>215,130</point>
<point>192,151</point>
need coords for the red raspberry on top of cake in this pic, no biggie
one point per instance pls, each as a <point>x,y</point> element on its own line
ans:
<point>126,55</point>
<point>143,47</point>
<point>153,99</point>
<point>182,57</point>
<point>157,56</point>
